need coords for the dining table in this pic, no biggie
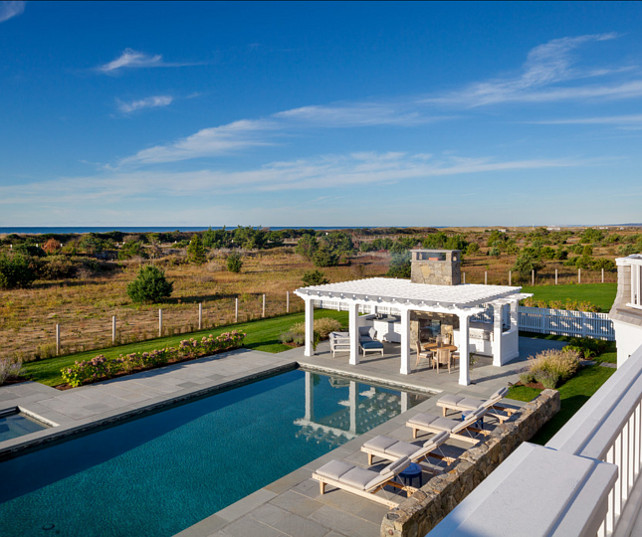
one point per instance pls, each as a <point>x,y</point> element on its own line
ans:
<point>436,346</point>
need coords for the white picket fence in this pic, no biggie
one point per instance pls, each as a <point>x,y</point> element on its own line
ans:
<point>566,323</point>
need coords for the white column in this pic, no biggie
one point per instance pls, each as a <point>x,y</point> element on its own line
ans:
<point>464,365</point>
<point>309,397</point>
<point>497,335</point>
<point>309,327</point>
<point>514,314</point>
<point>405,342</point>
<point>353,406</point>
<point>353,328</point>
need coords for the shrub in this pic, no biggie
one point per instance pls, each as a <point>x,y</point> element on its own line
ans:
<point>101,367</point>
<point>296,335</point>
<point>16,270</point>
<point>149,286</point>
<point>326,325</point>
<point>552,367</point>
<point>131,249</point>
<point>9,368</point>
<point>314,277</point>
<point>400,266</point>
<point>234,262</point>
<point>57,267</point>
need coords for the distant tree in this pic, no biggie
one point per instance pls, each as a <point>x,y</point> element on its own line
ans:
<point>526,262</point>
<point>51,246</point>
<point>306,246</point>
<point>234,262</point>
<point>150,285</point>
<point>196,251</point>
<point>399,265</point>
<point>131,249</point>
<point>314,277</point>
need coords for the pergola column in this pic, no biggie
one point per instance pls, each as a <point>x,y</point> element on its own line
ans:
<point>514,313</point>
<point>497,334</point>
<point>309,327</point>
<point>353,329</point>
<point>464,364</point>
<point>405,342</point>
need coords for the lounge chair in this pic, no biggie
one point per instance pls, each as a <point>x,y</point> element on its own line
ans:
<point>391,449</point>
<point>339,342</point>
<point>367,343</point>
<point>361,481</point>
<point>456,428</point>
<point>462,403</point>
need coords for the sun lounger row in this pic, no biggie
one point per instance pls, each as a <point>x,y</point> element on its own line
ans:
<point>365,482</point>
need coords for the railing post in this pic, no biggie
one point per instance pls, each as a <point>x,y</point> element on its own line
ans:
<point>263,311</point>
<point>200,316</point>
<point>57,340</point>
<point>160,322</point>
<point>113,329</point>
<point>236,310</point>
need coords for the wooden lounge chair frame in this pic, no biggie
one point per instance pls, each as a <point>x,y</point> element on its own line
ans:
<point>429,449</point>
<point>491,403</point>
<point>369,493</point>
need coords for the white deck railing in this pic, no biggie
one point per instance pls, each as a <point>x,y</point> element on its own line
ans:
<point>566,323</point>
<point>609,428</point>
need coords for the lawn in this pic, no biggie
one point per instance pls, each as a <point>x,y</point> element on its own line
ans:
<point>573,395</point>
<point>600,294</point>
<point>262,335</point>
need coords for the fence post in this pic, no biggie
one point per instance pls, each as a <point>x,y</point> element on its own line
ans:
<point>287,302</point>
<point>533,277</point>
<point>602,275</point>
<point>485,277</point>
<point>463,274</point>
<point>510,277</point>
<point>555,276</point>
<point>160,322</point>
<point>263,311</point>
<point>200,316</point>
<point>113,329</point>
<point>579,275</point>
<point>57,340</point>
<point>236,310</point>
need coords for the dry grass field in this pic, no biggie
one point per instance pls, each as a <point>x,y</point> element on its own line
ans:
<point>83,307</point>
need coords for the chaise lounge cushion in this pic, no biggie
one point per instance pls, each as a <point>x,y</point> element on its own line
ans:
<point>380,443</point>
<point>334,469</point>
<point>371,344</point>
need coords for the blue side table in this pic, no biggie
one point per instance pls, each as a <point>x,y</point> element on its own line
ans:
<point>413,471</point>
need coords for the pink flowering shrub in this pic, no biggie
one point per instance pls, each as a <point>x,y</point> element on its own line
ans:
<point>101,367</point>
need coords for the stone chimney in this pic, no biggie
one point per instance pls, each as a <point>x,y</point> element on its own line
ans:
<point>437,267</point>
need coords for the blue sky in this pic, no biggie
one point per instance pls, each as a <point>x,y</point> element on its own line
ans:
<point>320,114</point>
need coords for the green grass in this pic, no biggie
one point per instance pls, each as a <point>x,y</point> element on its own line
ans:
<point>262,335</point>
<point>600,294</point>
<point>573,395</point>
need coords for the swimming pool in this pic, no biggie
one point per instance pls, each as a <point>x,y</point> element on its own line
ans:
<point>164,472</point>
<point>13,424</point>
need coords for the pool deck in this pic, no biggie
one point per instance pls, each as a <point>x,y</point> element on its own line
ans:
<point>290,506</point>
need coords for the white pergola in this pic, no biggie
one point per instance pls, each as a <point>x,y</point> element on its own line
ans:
<point>400,297</point>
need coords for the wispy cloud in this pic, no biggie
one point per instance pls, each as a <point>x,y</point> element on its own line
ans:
<point>133,59</point>
<point>155,101</point>
<point>633,119</point>
<point>550,73</point>
<point>330,172</point>
<point>358,115</point>
<point>8,10</point>
<point>206,143</point>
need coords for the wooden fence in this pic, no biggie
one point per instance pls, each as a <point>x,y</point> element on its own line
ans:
<point>566,323</point>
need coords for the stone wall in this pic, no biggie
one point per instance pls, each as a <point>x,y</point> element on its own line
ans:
<point>417,515</point>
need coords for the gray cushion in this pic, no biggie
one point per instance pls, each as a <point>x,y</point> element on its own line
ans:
<point>469,403</point>
<point>451,399</point>
<point>364,330</point>
<point>334,469</point>
<point>359,477</point>
<point>380,443</point>
<point>372,333</point>
<point>403,449</point>
<point>424,419</point>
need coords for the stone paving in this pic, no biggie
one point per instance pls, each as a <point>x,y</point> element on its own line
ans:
<point>290,506</point>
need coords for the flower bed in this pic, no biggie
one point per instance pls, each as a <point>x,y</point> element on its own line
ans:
<point>101,368</point>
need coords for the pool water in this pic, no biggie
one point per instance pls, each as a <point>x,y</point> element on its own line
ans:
<point>14,424</point>
<point>164,472</point>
